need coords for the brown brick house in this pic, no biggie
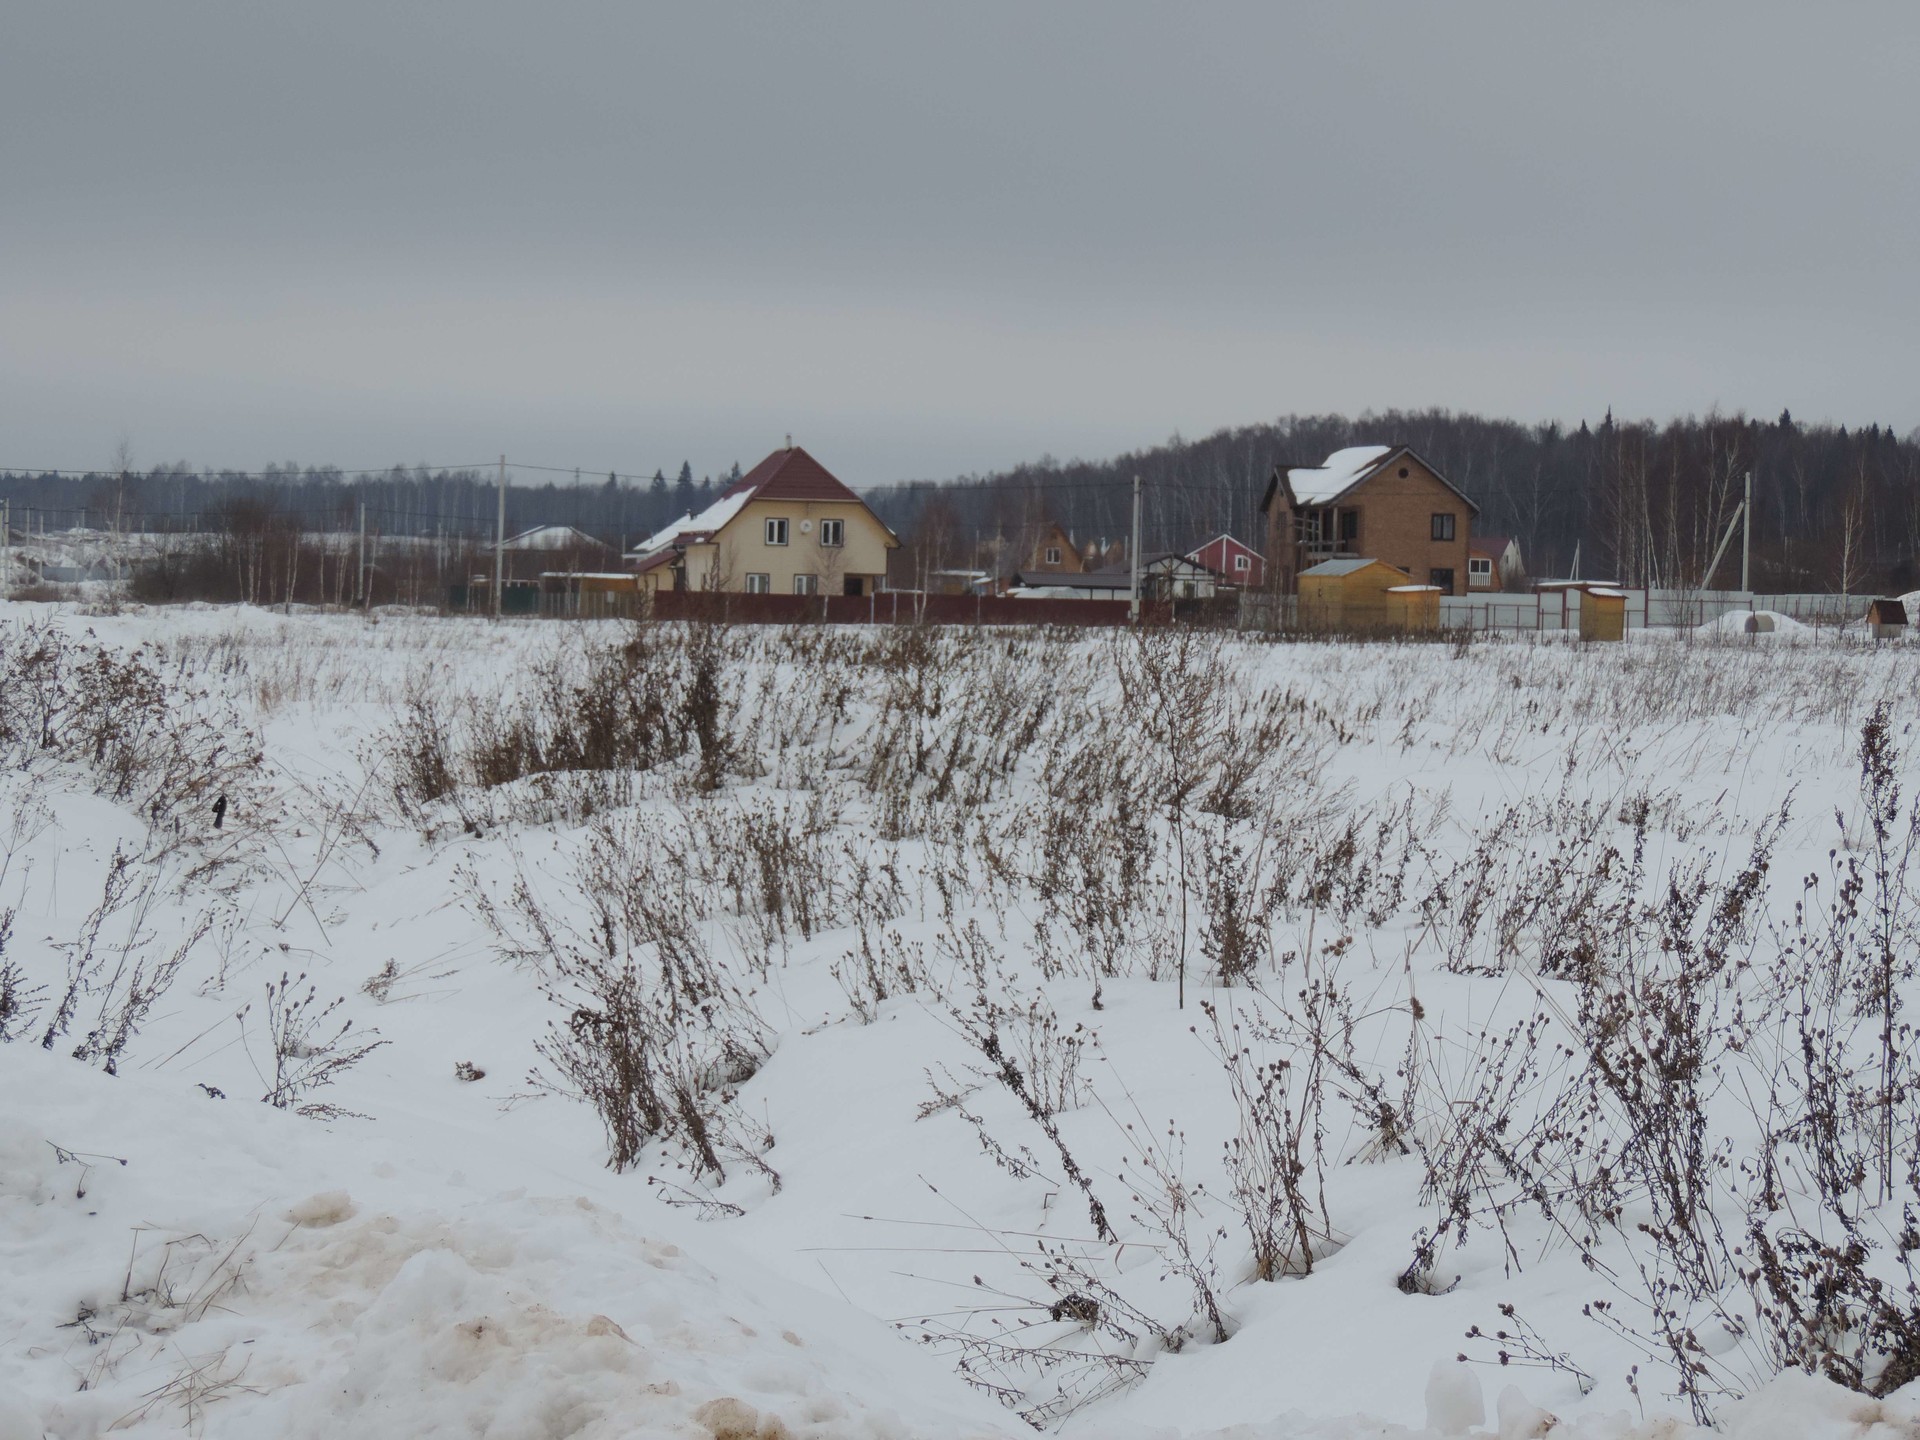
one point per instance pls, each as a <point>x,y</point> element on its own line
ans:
<point>1381,502</point>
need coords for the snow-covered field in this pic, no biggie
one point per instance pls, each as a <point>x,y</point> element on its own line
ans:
<point>1131,1037</point>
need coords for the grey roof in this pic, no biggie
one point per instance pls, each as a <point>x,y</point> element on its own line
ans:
<point>1069,580</point>
<point>1345,565</point>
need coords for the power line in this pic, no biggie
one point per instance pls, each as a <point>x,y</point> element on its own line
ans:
<point>31,472</point>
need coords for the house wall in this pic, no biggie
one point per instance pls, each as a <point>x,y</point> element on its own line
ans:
<point>1217,554</point>
<point>1396,516</point>
<point>1070,561</point>
<point>741,549</point>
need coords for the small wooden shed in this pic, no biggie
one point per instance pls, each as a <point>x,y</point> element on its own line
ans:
<point>1603,613</point>
<point>1350,593</point>
<point>1887,619</point>
<point>1414,607</point>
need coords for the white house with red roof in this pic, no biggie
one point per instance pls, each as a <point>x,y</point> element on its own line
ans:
<point>786,527</point>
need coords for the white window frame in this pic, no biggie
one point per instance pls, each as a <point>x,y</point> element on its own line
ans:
<point>1479,565</point>
<point>1242,562</point>
<point>833,533</point>
<point>1053,554</point>
<point>806,584</point>
<point>759,583</point>
<point>776,530</point>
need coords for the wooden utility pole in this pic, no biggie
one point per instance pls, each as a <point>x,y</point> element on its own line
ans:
<point>1133,556</point>
<point>360,572</point>
<point>1746,538</point>
<point>6,548</point>
<point>500,539</point>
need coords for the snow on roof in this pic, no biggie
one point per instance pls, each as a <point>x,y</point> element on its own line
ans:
<point>705,523</point>
<point>550,537</point>
<point>1343,467</point>
<point>1413,589</point>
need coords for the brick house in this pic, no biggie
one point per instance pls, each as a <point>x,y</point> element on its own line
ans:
<point>1381,502</point>
<point>1236,564</point>
<point>786,527</point>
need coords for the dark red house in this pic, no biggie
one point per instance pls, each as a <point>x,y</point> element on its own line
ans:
<point>1236,564</point>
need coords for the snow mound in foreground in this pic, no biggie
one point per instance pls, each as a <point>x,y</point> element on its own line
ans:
<point>164,1276</point>
<point>201,1287</point>
<point>1757,622</point>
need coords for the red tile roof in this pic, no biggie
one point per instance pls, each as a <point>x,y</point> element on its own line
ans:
<point>792,474</point>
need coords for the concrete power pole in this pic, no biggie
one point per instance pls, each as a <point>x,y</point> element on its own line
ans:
<point>1746,539</point>
<point>360,573</point>
<point>1133,556</point>
<point>500,539</point>
<point>6,548</point>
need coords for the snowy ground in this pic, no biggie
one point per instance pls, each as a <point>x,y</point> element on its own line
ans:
<point>900,852</point>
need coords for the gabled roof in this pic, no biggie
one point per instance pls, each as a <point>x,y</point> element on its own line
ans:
<point>1345,565</point>
<point>1231,540</point>
<point>789,474</point>
<point>1162,560</point>
<point>1323,484</point>
<point>1348,565</point>
<point>554,537</point>
<point>691,529</point>
<point>1342,473</point>
<point>1494,545</point>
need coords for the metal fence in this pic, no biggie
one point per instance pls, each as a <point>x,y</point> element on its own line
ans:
<point>1555,610</point>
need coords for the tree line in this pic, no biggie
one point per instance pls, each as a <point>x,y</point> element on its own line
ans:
<point>1636,501</point>
<point>416,502</point>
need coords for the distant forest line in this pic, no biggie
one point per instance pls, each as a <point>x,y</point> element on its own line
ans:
<point>1646,502</point>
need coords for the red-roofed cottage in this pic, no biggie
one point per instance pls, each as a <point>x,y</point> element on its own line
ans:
<point>786,527</point>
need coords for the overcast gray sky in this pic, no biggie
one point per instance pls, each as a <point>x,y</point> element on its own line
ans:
<point>934,239</point>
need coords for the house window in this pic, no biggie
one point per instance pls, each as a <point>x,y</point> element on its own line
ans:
<point>1479,566</point>
<point>833,533</point>
<point>776,532</point>
<point>1443,526</point>
<point>1053,554</point>
<point>1241,562</point>
<point>1349,524</point>
<point>1441,577</point>
<point>806,584</point>
<point>758,584</point>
